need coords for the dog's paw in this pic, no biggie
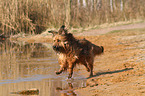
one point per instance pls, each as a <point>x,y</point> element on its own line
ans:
<point>57,73</point>
<point>91,75</point>
<point>69,76</point>
<point>88,69</point>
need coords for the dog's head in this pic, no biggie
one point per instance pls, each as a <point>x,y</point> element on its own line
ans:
<point>61,39</point>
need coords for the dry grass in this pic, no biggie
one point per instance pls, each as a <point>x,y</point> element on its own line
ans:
<point>35,16</point>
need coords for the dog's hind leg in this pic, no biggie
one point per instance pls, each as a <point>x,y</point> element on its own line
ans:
<point>86,65</point>
<point>91,68</point>
<point>90,65</point>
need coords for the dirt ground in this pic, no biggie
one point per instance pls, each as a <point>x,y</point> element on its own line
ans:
<point>120,71</point>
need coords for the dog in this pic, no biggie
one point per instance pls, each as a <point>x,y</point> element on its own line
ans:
<point>72,51</point>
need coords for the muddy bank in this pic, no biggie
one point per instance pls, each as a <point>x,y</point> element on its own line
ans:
<point>40,38</point>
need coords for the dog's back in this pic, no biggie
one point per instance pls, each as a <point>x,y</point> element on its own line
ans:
<point>88,46</point>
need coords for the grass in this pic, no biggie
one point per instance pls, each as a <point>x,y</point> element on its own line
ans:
<point>130,30</point>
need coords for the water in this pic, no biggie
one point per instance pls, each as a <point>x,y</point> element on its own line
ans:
<point>25,66</point>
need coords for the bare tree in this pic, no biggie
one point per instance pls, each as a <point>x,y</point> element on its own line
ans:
<point>67,12</point>
<point>99,4</point>
<point>111,5</point>
<point>114,4</point>
<point>121,5</point>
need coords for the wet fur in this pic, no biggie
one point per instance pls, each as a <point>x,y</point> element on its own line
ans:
<point>72,51</point>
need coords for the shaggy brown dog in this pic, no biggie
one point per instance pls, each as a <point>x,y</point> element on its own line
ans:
<point>72,51</point>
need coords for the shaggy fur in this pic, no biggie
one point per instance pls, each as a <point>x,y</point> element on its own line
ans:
<point>72,51</point>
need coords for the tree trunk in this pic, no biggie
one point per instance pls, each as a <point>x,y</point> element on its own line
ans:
<point>114,4</point>
<point>99,4</point>
<point>121,5</point>
<point>111,5</point>
<point>67,12</point>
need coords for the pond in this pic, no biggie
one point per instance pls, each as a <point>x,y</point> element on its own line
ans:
<point>25,66</point>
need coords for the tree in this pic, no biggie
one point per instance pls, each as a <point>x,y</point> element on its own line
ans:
<point>121,5</point>
<point>111,5</point>
<point>67,12</point>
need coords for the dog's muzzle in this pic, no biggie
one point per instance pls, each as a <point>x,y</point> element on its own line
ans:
<point>56,48</point>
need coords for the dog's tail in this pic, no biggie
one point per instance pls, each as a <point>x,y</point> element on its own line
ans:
<point>97,50</point>
<point>102,49</point>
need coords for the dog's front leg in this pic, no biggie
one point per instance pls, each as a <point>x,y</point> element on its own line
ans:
<point>70,69</point>
<point>62,68</point>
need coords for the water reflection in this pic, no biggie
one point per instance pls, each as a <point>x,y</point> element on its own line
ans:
<point>25,66</point>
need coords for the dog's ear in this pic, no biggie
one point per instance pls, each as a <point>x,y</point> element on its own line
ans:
<point>62,30</point>
<point>53,32</point>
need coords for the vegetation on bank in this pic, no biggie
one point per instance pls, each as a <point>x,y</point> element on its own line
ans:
<point>35,16</point>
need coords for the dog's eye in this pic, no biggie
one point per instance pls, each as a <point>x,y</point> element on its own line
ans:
<point>58,40</point>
